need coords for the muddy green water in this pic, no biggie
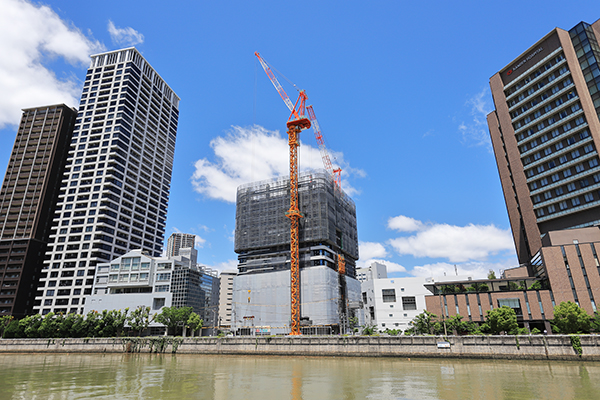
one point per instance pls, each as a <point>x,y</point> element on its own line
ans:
<point>150,376</point>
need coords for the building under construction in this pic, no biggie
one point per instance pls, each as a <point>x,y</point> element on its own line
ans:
<point>328,294</point>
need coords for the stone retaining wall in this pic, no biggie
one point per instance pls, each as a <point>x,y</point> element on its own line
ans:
<point>554,347</point>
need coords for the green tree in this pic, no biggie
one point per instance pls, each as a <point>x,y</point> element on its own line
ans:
<point>173,318</point>
<point>194,323</point>
<point>4,321</point>
<point>30,325</point>
<point>595,322</point>
<point>501,319</point>
<point>491,274</point>
<point>570,318</point>
<point>424,324</point>
<point>537,285</point>
<point>139,319</point>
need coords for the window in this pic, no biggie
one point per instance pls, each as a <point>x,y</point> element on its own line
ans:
<point>584,183</point>
<point>562,159</point>
<point>579,167</point>
<point>571,187</point>
<point>548,195</point>
<point>409,303</point>
<point>559,146</point>
<point>567,172</point>
<point>389,295</point>
<point>544,181</point>
<point>575,154</point>
<point>161,288</point>
<point>589,197</point>
<point>575,201</point>
<point>593,162</point>
<point>562,205</point>
<point>158,303</point>
<point>540,212</point>
<point>555,177</point>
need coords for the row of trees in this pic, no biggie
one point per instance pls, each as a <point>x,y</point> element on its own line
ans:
<point>568,318</point>
<point>108,323</point>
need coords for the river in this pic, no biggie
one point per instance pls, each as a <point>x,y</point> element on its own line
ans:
<point>166,376</point>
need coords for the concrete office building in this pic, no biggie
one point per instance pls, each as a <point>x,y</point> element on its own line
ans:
<point>374,271</point>
<point>27,202</point>
<point>138,279</point>
<point>261,293</point>
<point>115,188</point>
<point>178,241</point>
<point>226,299</point>
<point>545,132</point>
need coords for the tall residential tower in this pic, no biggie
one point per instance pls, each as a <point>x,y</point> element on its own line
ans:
<point>545,132</point>
<point>178,241</point>
<point>27,202</point>
<point>115,189</point>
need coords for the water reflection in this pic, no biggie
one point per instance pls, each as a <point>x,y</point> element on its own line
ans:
<point>150,376</point>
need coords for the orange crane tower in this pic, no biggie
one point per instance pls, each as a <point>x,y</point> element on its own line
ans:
<point>296,123</point>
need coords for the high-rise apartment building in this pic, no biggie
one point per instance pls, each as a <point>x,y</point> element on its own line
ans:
<point>27,201</point>
<point>115,188</point>
<point>178,241</point>
<point>545,133</point>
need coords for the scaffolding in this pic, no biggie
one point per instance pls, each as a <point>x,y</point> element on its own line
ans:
<point>329,215</point>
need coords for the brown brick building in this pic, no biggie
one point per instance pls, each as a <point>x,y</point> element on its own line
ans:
<point>27,202</point>
<point>545,132</point>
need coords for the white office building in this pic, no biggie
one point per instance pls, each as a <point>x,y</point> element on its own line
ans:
<point>392,303</point>
<point>115,189</point>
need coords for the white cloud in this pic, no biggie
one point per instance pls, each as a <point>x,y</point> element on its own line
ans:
<point>253,154</point>
<point>124,36</point>
<point>403,223</point>
<point>474,269</point>
<point>30,36</point>
<point>455,243</point>
<point>476,131</point>
<point>368,250</point>
<point>199,242</point>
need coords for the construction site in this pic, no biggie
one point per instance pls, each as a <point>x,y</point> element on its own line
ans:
<point>327,232</point>
<point>297,244</point>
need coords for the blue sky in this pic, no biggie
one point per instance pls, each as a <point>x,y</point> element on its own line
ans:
<point>400,90</point>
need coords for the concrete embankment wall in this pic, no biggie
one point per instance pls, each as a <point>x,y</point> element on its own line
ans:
<point>554,347</point>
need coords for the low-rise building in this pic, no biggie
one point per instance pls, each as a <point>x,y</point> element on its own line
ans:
<point>392,303</point>
<point>138,279</point>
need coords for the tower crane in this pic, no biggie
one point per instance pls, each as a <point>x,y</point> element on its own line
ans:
<point>296,123</point>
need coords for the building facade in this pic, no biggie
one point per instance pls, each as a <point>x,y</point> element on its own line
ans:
<point>545,133</point>
<point>226,299</point>
<point>28,200</point>
<point>115,188</point>
<point>178,241</point>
